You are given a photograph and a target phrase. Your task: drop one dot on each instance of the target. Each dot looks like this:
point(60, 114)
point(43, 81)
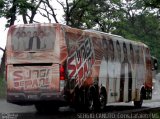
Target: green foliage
point(131, 19)
point(152, 3)
point(24, 5)
point(1, 7)
point(12, 8)
point(2, 86)
point(144, 28)
point(1, 4)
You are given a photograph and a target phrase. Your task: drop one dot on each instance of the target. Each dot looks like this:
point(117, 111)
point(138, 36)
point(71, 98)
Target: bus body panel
point(33, 68)
point(87, 58)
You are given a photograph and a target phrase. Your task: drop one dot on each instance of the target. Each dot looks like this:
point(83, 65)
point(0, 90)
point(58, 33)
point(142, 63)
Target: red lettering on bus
point(28, 83)
point(71, 67)
point(18, 75)
point(80, 74)
point(85, 69)
point(16, 84)
point(34, 84)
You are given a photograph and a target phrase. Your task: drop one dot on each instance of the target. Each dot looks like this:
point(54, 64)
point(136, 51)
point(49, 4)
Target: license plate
point(32, 96)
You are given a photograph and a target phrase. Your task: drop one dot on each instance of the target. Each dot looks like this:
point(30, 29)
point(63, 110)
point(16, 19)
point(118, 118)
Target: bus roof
point(68, 28)
point(91, 30)
point(116, 36)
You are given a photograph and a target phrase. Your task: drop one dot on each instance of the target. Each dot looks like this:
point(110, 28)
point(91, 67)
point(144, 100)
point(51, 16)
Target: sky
point(3, 35)
point(3, 21)
point(3, 32)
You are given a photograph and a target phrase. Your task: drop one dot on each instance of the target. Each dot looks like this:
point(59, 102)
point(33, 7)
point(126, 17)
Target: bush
point(2, 87)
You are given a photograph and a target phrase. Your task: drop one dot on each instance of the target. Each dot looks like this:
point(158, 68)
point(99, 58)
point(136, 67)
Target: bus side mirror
point(155, 65)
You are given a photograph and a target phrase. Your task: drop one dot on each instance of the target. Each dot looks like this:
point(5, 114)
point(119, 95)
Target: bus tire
point(138, 104)
point(39, 108)
point(92, 100)
point(103, 98)
point(78, 100)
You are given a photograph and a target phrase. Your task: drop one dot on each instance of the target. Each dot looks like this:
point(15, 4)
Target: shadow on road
point(69, 113)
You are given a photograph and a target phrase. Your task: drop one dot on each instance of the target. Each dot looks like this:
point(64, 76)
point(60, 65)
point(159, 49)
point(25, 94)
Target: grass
point(2, 87)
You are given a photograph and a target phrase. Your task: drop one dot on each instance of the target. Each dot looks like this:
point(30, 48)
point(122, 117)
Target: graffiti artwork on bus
point(31, 78)
point(81, 61)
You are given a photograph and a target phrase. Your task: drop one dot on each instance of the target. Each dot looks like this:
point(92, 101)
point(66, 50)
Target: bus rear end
point(34, 71)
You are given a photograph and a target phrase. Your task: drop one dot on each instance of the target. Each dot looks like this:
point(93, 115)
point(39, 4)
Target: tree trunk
point(13, 12)
point(2, 65)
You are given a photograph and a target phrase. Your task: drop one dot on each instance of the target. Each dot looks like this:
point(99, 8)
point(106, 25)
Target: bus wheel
point(138, 104)
point(78, 100)
point(92, 101)
point(102, 99)
point(39, 108)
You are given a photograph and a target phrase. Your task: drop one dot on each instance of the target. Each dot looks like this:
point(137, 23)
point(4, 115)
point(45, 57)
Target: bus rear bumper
point(29, 99)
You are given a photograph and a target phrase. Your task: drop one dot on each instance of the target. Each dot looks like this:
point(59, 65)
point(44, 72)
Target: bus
point(51, 65)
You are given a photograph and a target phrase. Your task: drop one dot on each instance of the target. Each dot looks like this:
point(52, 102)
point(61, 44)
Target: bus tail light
point(62, 72)
point(62, 77)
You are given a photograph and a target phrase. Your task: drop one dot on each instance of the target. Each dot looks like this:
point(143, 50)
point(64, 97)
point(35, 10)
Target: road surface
point(11, 111)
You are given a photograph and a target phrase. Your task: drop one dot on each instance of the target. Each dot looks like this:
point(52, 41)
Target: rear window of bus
point(33, 40)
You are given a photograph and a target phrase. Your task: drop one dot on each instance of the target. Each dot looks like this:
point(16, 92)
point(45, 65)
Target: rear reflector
point(62, 85)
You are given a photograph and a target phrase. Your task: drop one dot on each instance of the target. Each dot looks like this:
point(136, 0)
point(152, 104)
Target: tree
point(90, 14)
point(1, 7)
point(2, 64)
point(128, 18)
point(152, 3)
point(13, 8)
point(142, 25)
point(50, 12)
point(75, 11)
point(1, 49)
